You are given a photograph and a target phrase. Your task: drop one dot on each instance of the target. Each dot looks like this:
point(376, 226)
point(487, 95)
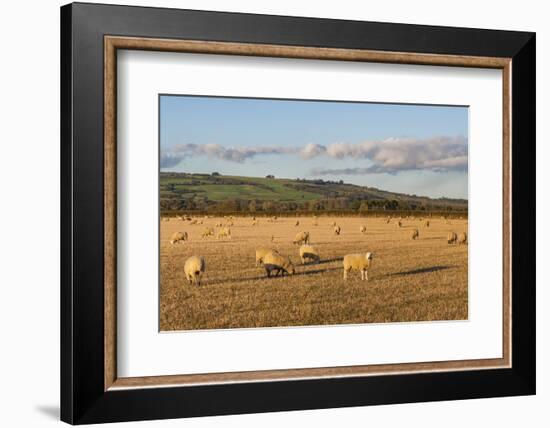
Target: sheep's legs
point(345, 274)
point(362, 275)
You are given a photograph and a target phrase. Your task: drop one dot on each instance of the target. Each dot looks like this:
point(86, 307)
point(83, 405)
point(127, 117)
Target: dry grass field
point(409, 280)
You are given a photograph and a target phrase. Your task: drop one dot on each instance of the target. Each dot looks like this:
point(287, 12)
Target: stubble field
point(409, 280)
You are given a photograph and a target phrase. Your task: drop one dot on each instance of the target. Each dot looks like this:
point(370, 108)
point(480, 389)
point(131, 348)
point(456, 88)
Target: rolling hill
point(214, 192)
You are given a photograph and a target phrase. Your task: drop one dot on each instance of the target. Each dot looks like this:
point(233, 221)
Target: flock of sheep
point(276, 264)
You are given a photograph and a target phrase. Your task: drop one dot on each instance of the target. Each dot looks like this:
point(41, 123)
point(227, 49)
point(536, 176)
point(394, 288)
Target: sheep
point(274, 261)
point(260, 254)
point(462, 238)
point(399, 224)
point(414, 234)
point(194, 267)
point(208, 231)
point(363, 229)
point(178, 237)
point(427, 223)
point(360, 262)
point(307, 252)
point(451, 238)
point(254, 222)
point(301, 238)
point(388, 220)
point(297, 223)
point(179, 217)
point(337, 230)
point(224, 233)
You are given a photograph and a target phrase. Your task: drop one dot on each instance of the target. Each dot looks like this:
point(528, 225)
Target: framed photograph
point(266, 213)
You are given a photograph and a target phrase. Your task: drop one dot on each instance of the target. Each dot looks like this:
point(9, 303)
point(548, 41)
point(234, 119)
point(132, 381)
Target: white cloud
point(392, 155)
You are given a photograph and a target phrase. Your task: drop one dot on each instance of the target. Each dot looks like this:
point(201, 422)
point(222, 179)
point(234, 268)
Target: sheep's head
point(369, 256)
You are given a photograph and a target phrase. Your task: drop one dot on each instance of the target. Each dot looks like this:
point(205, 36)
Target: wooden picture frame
point(91, 390)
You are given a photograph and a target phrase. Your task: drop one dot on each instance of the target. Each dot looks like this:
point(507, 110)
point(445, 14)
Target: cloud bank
point(389, 156)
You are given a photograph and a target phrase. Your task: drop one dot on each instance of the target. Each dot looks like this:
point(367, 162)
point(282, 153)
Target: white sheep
point(307, 252)
point(208, 231)
point(260, 254)
point(451, 238)
point(274, 261)
point(178, 237)
point(414, 234)
point(224, 233)
point(363, 229)
point(194, 267)
point(360, 262)
point(301, 238)
point(462, 238)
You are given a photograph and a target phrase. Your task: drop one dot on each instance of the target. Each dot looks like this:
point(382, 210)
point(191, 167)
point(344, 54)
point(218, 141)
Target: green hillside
point(211, 192)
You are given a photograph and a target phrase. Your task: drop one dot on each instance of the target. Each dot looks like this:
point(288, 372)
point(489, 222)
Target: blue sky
point(411, 149)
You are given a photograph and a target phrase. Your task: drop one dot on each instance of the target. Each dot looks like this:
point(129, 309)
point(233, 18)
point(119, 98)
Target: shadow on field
point(322, 262)
point(264, 276)
point(421, 270)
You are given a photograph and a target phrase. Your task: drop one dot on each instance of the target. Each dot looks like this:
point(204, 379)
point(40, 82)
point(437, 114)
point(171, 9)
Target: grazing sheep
point(194, 267)
point(274, 261)
point(451, 238)
point(301, 238)
point(260, 254)
point(363, 229)
point(337, 230)
point(427, 223)
point(178, 237)
point(297, 223)
point(307, 252)
point(414, 234)
point(208, 231)
point(462, 238)
point(224, 233)
point(360, 262)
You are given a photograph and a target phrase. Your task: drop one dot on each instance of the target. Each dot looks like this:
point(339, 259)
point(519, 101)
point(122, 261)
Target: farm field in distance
point(409, 280)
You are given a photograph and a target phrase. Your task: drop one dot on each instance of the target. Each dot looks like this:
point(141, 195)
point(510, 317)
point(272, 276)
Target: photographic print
point(283, 212)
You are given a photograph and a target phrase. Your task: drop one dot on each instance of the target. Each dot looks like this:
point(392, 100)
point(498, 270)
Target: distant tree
point(215, 174)
point(270, 176)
